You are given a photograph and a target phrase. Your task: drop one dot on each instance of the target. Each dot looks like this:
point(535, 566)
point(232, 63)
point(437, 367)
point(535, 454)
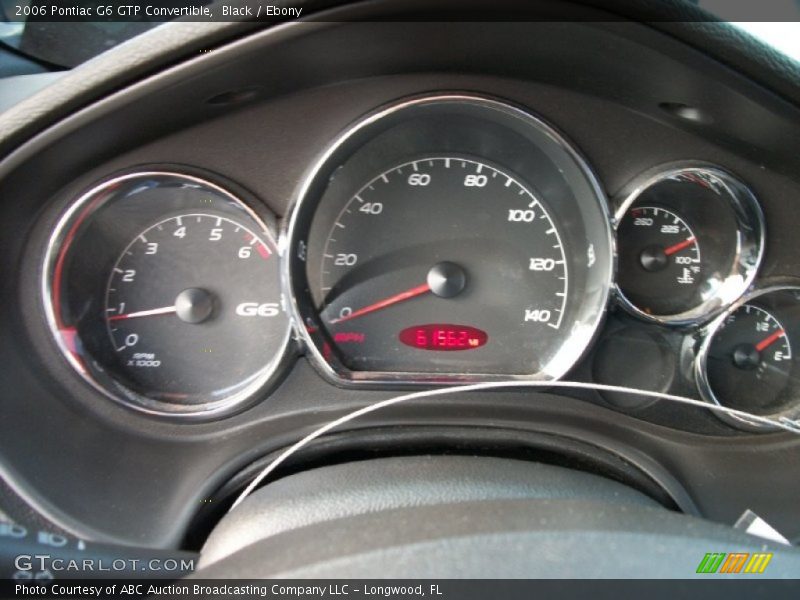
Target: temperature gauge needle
point(768, 341)
point(145, 313)
point(407, 295)
point(679, 246)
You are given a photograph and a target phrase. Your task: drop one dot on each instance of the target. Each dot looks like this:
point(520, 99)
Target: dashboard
point(447, 238)
point(193, 288)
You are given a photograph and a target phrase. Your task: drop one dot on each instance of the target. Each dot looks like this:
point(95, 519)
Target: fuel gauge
point(746, 361)
point(750, 359)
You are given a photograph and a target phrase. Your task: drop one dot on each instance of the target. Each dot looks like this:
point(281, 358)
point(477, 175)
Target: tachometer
point(450, 239)
point(163, 291)
point(182, 301)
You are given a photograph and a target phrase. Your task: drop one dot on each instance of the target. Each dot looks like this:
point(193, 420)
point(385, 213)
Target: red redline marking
point(768, 341)
point(679, 246)
point(263, 251)
point(407, 295)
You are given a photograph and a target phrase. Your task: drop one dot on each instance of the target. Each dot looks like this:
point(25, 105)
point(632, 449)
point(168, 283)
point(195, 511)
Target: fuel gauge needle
point(166, 310)
point(407, 295)
point(771, 339)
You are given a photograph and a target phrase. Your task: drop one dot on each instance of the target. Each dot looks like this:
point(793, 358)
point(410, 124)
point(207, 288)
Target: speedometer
point(502, 269)
point(448, 239)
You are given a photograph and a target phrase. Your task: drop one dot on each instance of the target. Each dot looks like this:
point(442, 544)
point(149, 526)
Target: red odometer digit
point(443, 337)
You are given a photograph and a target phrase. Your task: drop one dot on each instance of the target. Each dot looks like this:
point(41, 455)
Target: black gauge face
point(690, 240)
point(748, 358)
point(163, 291)
point(750, 361)
point(660, 258)
point(190, 304)
point(437, 246)
point(452, 239)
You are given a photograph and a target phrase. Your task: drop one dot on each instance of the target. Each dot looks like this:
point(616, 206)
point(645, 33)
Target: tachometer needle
point(407, 295)
point(679, 246)
point(144, 313)
point(771, 339)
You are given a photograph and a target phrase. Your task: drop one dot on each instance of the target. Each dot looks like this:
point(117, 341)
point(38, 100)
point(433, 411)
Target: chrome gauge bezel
point(574, 345)
point(82, 209)
point(750, 241)
point(706, 337)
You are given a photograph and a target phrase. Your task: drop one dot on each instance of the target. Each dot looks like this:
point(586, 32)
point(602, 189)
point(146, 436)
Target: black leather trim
point(455, 517)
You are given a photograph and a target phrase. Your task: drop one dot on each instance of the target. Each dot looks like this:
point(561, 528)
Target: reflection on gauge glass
point(451, 239)
point(747, 360)
point(690, 240)
point(163, 291)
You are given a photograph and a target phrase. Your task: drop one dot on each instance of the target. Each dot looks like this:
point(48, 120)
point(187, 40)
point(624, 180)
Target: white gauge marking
point(253, 239)
point(523, 191)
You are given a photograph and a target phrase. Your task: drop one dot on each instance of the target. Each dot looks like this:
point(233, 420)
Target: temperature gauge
point(661, 260)
point(690, 240)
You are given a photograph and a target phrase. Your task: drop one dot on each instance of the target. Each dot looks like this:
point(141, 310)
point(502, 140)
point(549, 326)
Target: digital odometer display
point(443, 337)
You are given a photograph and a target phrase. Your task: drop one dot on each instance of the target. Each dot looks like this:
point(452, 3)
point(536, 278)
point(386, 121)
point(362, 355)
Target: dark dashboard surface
point(259, 113)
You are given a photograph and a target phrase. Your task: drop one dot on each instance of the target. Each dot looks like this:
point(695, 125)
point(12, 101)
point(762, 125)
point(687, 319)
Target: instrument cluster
point(443, 239)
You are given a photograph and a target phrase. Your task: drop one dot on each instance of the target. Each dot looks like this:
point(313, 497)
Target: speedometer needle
point(145, 313)
point(407, 295)
point(679, 246)
point(768, 341)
